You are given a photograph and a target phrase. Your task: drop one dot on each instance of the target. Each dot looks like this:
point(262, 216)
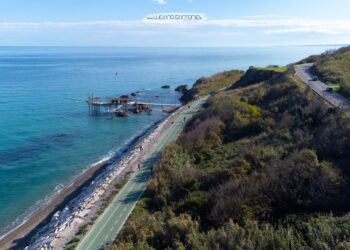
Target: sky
point(224, 23)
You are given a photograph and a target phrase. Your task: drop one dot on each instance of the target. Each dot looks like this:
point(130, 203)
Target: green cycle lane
point(111, 221)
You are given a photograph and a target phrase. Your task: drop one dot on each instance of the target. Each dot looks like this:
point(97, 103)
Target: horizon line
point(235, 46)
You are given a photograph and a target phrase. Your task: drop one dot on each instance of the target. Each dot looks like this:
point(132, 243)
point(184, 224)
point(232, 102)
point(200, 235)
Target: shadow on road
point(142, 176)
point(146, 171)
point(132, 197)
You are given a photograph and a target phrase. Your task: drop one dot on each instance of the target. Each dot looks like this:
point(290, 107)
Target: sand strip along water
point(64, 226)
point(21, 236)
point(86, 189)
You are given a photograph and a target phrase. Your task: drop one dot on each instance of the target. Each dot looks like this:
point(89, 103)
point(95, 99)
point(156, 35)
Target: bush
point(206, 85)
point(253, 170)
point(333, 68)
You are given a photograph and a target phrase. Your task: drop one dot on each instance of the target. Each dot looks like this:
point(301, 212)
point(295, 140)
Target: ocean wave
point(112, 158)
point(35, 146)
point(64, 217)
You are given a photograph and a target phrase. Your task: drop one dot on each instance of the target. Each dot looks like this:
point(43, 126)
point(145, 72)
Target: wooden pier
point(118, 106)
point(121, 106)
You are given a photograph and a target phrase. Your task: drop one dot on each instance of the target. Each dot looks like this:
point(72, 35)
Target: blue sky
point(121, 23)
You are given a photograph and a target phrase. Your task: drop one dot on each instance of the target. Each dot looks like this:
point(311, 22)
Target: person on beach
point(139, 166)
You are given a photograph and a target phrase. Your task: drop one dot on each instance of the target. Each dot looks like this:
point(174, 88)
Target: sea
point(47, 135)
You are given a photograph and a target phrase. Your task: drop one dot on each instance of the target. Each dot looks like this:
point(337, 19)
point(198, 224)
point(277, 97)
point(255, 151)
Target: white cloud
point(161, 2)
point(264, 25)
point(304, 30)
point(261, 16)
point(38, 25)
point(280, 26)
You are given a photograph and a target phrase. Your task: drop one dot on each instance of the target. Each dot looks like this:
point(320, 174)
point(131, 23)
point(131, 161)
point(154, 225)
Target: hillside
point(263, 166)
point(256, 75)
point(333, 68)
point(206, 85)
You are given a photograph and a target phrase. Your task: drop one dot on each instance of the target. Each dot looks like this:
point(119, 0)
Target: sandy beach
point(55, 224)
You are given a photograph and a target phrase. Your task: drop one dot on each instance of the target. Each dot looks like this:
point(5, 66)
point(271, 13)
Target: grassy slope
point(206, 85)
point(334, 69)
point(261, 167)
point(276, 69)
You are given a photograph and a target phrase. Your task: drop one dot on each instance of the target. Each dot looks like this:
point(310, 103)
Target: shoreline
point(22, 234)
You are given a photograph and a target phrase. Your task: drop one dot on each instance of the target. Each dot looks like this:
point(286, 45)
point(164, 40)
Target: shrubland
point(264, 165)
point(333, 67)
point(207, 85)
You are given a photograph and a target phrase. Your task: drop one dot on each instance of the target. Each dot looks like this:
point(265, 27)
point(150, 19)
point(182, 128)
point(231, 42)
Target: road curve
point(111, 221)
point(335, 99)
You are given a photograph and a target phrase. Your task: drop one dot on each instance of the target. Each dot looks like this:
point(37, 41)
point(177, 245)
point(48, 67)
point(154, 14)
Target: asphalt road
point(111, 221)
point(335, 99)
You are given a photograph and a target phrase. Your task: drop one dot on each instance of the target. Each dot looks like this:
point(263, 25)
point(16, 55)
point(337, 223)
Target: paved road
point(114, 217)
point(335, 99)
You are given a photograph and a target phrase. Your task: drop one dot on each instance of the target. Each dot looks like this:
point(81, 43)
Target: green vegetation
point(263, 166)
point(335, 87)
point(333, 67)
point(276, 69)
point(256, 75)
point(206, 85)
point(73, 243)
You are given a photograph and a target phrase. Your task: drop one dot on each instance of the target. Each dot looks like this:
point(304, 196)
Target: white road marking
point(104, 224)
point(171, 133)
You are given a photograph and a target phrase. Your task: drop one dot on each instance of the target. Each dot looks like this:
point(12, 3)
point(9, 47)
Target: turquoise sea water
point(46, 134)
